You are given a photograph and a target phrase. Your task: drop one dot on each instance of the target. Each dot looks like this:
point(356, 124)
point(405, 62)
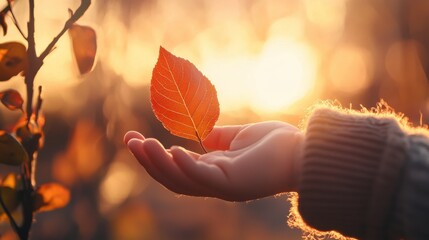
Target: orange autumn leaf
point(84, 42)
point(13, 59)
point(50, 196)
point(182, 98)
point(11, 99)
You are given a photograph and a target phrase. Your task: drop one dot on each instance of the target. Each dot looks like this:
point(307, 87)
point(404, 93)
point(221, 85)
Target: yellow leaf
point(13, 59)
point(84, 42)
point(9, 181)
point(11, 198)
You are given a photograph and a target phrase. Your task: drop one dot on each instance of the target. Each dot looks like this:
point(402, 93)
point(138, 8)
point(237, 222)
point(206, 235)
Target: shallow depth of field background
point(269, 60)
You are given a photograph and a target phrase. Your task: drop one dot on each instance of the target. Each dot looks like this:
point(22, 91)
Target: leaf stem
point(201, 142)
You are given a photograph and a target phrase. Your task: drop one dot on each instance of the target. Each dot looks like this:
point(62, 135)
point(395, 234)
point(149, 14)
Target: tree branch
point(37, 61)
point(34, 65)
point(15, 21)
point(12, 221)
point(38, 104)
point(84, 5)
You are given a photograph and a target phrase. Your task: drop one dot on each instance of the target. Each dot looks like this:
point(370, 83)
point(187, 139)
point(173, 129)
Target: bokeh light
point(350, 69)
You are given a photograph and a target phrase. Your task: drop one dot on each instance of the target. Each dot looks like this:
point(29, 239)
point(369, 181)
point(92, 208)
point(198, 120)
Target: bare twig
point(12, 221)
point(34, 63)
point(37, 62)
point(31, 147)
point(15, 21)
point(84, 5)
point(33, 67)
point(38, 104)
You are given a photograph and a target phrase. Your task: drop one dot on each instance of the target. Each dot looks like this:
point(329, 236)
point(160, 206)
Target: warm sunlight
point(286, 71)
point(101, 101)
point(256, 59)
point(354, 64)
point(60, 69)
point(264, 64)
point(282, 73)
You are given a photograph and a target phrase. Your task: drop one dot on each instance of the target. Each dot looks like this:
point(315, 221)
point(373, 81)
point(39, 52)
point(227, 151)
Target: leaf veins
point(182, 98)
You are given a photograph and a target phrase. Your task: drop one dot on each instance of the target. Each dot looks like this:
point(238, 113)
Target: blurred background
point(268, 59)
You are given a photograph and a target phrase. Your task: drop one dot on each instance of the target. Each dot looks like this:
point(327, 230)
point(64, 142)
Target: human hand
point(249, 161)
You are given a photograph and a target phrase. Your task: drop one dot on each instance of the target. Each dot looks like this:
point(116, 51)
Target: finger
point(221, 136)
point(132, 134)
point(136, 147)
point(209, 175)
point(173, 177)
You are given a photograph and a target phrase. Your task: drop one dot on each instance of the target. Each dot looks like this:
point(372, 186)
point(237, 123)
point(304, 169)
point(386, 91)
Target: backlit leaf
point(11, 99)
point(11, 180)
point(50, 196)
point(84, 42)
point(13, 59)
point(183, 99)
point(11, 151)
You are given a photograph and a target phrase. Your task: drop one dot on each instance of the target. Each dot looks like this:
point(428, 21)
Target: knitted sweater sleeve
point(352, 170)
point(412, 210)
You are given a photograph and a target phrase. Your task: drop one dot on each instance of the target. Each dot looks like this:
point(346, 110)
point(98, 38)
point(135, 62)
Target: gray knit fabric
point(352, 170)
point(413, 207)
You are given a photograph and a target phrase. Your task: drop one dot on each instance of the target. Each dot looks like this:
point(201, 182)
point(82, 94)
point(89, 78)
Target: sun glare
point(263, 64)
point(285, 72)
point(282, 73)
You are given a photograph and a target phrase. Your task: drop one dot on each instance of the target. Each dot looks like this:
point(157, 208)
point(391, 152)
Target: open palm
point(248, 162)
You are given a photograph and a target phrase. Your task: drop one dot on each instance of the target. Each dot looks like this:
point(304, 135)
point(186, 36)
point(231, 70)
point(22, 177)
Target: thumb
point(221, 136)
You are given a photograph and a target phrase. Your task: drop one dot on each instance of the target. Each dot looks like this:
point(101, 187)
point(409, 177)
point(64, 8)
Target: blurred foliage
point(20, 196)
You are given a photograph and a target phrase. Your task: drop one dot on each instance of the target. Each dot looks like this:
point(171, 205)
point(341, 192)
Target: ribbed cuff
point(350, 169)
